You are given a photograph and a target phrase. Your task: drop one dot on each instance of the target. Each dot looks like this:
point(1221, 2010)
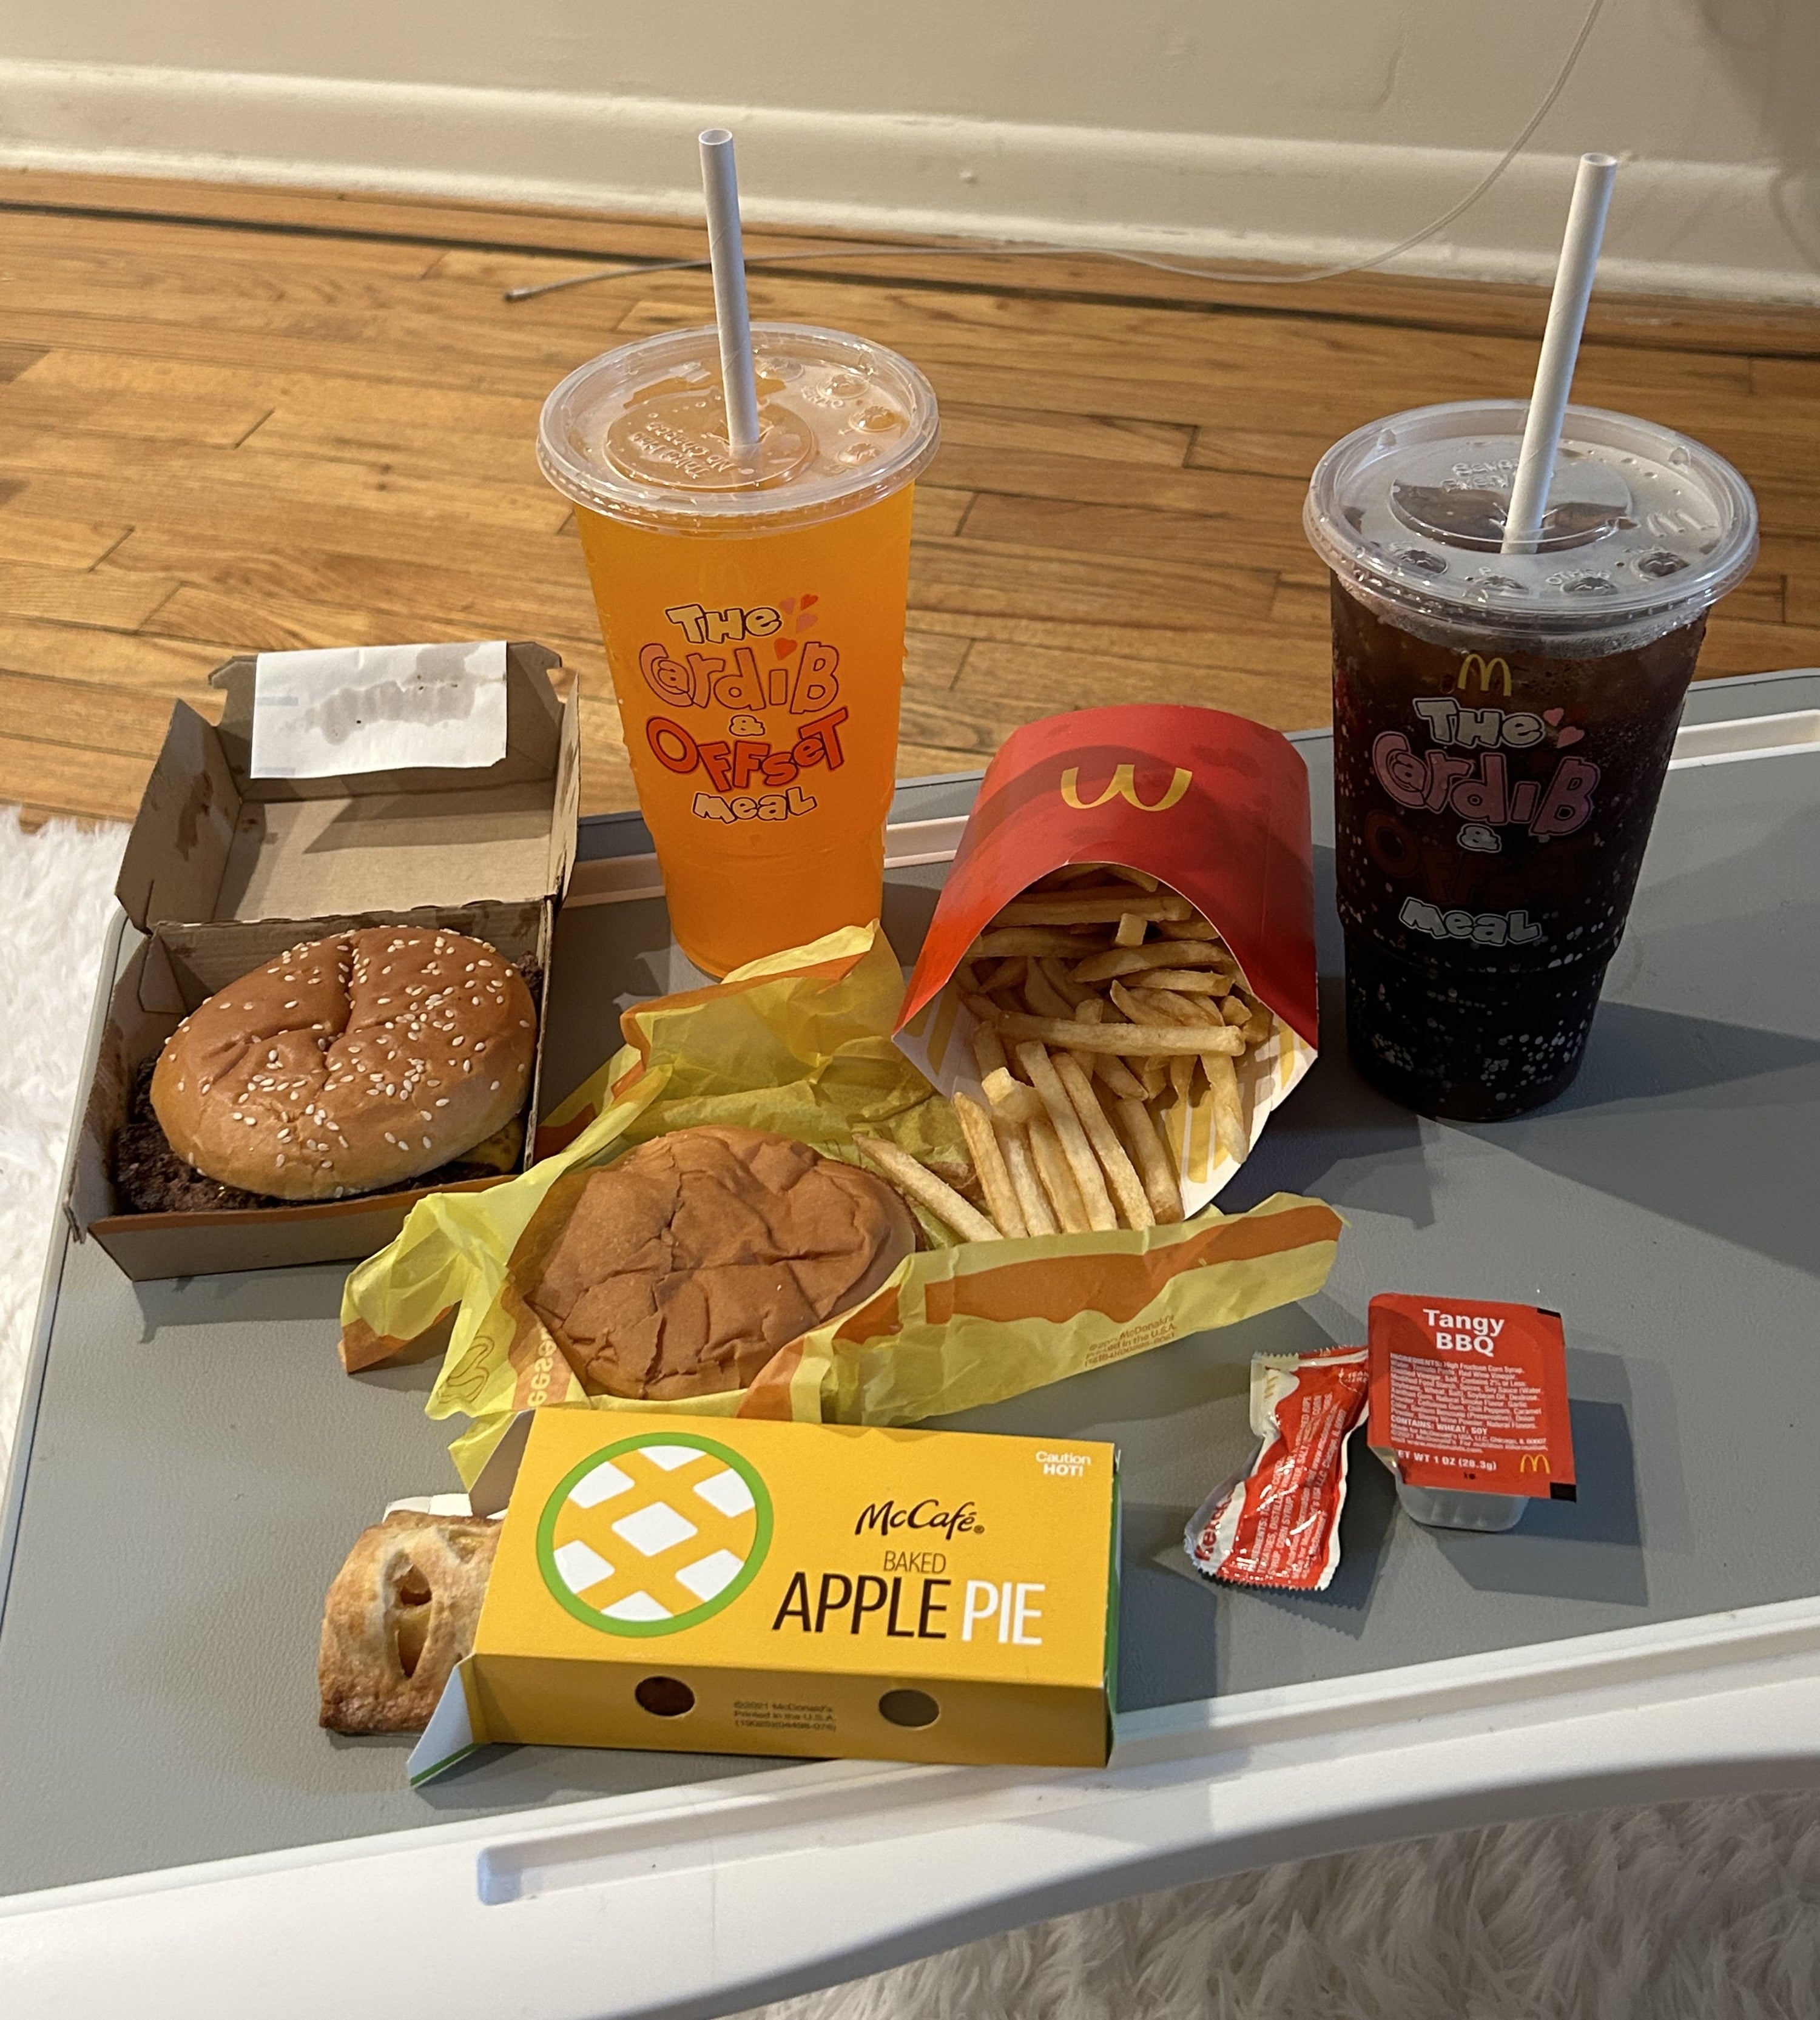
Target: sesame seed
point(495, 1087)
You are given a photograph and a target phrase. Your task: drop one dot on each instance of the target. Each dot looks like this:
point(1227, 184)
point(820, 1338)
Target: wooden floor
point(234, 419)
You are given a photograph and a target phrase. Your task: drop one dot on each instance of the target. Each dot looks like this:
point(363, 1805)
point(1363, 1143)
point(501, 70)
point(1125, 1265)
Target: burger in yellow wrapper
point(799, 1046)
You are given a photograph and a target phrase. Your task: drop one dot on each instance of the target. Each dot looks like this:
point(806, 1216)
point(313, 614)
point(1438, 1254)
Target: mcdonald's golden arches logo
point(1125, 786)
point(1488, 669)
point(1536, 1461)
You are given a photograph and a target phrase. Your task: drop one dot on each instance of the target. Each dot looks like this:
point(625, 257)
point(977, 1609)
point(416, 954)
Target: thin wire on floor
point(997, 249)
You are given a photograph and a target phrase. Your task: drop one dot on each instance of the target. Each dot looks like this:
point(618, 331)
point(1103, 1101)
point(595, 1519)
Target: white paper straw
point(727, 252)
point(1560, 348)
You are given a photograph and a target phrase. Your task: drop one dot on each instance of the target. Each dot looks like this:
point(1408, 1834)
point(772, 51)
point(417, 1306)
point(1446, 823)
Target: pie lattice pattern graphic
point(654, 1534)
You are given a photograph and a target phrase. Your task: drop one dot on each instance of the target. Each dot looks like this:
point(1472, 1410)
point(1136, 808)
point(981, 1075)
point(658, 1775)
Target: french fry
point(1106, 907)
point(1043, 998)
point(1111, 1068)
point(1125, 1039)
point(1121, 1177)
point(1182, 1080)
point(1035, 1060)
point(1258, 1026)
point(1142, 878)
point(989, 1052)
point(1188, 981)
point(965, 975)
point(1153, 954)
point(1194, 929)
point(1061, 978)
point(1229, 1114)
point(1235, 1010)
point(1070, 873)
point(927, 1190)
point(1013, 1101)
point(1039, 1216)
point(1006, 974)
point(1153, 1161)
point(1004, 1000)
point(1131, 929)
point(1047, 997)
point(996, 942)
point(1178, 1009)
point(1002, 1200)
point(1154, 1074)
point(1143, 1006)
point(1057, 1178)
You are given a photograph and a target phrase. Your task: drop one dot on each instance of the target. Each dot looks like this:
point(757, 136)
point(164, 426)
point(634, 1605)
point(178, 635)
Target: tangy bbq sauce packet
point(1216, 808)
point(1279, 1524)
point(1470, 1398)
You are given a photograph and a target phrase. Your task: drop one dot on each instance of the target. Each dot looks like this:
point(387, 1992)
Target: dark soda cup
point(1502, 725)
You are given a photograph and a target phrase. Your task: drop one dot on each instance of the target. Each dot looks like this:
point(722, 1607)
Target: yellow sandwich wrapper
point(801, 1043)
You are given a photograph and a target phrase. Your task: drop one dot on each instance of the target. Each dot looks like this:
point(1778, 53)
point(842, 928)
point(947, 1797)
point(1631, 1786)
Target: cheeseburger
point(348, 1065)
point(680, 1269)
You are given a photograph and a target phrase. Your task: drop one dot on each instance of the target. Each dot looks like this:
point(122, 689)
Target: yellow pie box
point(721, 1586)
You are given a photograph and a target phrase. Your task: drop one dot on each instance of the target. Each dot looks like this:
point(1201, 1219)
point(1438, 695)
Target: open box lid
point(211, 841)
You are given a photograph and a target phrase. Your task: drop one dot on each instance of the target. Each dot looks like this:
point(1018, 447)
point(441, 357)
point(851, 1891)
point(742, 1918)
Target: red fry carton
point(1471, 1395)
point(1214, 806)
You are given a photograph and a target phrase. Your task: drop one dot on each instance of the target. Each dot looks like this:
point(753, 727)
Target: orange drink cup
point(753, 615)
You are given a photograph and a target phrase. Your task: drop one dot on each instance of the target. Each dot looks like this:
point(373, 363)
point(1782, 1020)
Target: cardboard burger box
point(224, 870)
point(726, 1586)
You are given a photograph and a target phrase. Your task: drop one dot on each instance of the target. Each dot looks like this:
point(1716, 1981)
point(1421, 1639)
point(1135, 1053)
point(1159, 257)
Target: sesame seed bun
point(349, 1064)
point(682, 1267)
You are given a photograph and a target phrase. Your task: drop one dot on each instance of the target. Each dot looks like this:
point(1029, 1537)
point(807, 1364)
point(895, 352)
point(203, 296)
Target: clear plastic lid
point(641, 432)
point(1644, 528)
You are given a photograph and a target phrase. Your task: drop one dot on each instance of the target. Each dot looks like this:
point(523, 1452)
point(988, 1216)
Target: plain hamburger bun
point(679, 1269)
point(349, 1064)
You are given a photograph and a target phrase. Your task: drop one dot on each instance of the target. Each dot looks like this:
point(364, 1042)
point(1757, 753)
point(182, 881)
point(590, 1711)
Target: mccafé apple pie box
point(1209, 807)
point(715, 1584)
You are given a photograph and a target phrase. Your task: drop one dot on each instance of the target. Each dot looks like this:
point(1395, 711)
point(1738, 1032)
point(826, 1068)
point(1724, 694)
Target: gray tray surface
point(199, 1463)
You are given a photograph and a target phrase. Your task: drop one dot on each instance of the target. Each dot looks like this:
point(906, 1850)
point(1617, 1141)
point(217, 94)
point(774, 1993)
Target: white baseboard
point(1740, 230)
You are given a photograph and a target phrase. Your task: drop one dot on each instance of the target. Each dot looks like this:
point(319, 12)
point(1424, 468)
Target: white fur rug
point(1705, 1911)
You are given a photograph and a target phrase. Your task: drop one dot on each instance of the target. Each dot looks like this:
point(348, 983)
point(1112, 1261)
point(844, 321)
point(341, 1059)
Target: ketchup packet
point(1213, 805)
point(1471, 1396)
point(1280, 1523)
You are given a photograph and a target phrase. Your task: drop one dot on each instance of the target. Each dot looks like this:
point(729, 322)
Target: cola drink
point(1502, 725)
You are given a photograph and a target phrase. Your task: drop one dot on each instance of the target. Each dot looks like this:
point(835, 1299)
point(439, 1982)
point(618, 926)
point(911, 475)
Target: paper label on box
point(379, 708)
